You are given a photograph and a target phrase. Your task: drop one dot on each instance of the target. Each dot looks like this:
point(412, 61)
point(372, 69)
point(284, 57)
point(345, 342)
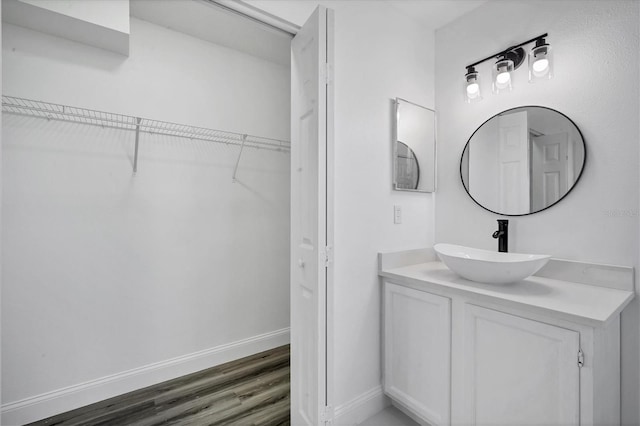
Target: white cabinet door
point(417, 342)
point(519, 371)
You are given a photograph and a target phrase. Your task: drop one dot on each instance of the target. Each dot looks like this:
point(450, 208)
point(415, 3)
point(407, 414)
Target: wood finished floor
point(250, 391)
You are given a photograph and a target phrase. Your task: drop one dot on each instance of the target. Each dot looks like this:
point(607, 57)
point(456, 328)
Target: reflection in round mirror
point(522, 160)
point(407, 168)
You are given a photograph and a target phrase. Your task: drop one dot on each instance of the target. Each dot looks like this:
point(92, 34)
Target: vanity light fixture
point(472, 86)
point(540, 61)
point(507, 61)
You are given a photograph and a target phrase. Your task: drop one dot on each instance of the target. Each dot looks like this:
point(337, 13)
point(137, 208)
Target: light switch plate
point(397, 214)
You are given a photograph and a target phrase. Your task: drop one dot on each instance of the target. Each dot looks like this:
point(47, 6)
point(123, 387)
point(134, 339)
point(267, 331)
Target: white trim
point(61, 400)
point(408, 412)
point(361, 407)
point(257, 14)
point(330, 212)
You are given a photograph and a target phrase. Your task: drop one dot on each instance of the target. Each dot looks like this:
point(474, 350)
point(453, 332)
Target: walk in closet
point(145, 203)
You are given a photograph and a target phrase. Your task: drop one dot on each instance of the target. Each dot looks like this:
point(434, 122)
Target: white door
point(549, 169)
point(513, 163)
point(417, 349)
point(519, 371)
point(311, 230)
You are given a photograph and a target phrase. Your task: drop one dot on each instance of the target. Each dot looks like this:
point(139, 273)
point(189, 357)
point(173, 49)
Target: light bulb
point(473, 90)
point(503, 78)
point(540, 62)
point(471, 86)
point(541, 65)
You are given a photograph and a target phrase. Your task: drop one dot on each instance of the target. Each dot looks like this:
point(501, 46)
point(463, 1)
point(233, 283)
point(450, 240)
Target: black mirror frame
point(584, 162)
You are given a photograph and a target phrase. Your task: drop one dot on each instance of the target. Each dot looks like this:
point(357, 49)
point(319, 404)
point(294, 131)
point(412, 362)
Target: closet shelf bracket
point(235, 170)
point(135, 153)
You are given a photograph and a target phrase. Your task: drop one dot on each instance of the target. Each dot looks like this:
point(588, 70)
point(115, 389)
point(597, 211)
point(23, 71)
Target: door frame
point(329, 213)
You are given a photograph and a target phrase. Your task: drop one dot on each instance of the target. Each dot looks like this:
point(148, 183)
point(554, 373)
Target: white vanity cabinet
point(417, 336)
point(539, 352)
point(516, 369)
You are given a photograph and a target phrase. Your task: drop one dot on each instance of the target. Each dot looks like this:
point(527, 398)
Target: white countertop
point(582, 303)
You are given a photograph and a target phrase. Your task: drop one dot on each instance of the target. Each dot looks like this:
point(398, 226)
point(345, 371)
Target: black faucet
point(502, 234)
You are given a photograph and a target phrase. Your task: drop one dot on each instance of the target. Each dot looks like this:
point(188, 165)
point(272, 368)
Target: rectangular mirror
point(414, 148)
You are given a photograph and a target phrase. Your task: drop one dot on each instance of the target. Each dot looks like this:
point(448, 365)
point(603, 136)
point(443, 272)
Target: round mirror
point(407, 168)
point(522, 160)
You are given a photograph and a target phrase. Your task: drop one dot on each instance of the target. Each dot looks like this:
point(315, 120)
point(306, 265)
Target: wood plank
point(218, 380)
point(272, 415)
point(224, 393)
point(194, 405)
point(219, 415)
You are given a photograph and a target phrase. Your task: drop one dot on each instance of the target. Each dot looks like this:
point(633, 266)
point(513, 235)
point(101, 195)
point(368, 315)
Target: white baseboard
point(405, 410)
point(361, 407)
point(58, 401)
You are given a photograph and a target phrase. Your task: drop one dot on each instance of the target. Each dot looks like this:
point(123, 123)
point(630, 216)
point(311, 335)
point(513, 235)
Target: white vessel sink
point(489, 267)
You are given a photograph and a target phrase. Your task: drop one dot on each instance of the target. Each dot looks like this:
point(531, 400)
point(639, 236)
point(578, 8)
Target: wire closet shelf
point(51, 111)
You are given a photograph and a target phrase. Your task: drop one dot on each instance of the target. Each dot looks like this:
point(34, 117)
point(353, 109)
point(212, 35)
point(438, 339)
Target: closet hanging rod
point(51, 111)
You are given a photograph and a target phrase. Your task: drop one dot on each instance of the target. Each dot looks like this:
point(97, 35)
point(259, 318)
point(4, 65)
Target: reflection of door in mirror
point(549, 169)
point(513, 162)
point(483, 165)
point(506, 182)
point(407, 168)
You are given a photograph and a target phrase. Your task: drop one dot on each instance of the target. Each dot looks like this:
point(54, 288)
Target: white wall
point(596, 84)
point(106, 271)
point(380, 54)
point(112, 14)
point(99, 23)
